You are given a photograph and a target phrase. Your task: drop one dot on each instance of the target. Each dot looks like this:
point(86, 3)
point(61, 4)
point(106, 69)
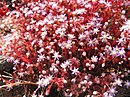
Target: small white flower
point(16, 61)
point(90, 42)
point(62, 18)
point(98, 24)
point(94, 19)
point(62, 34)
point(80, 1)
point(59, 30)
point(102, 1)
point(71, 36)
point(79, 11)
point(126, 26)
point(65, 64)
point(25, 10)
point(82, 36)
point(114, 52)
point(67, 44)
point(44, 81)
point(41, 50)
point(91, 23)
point(94, 58)
point(95, 31)
point(108, 4)
point(87, 33)
point(40, 57)
point(9, 87)
point(56, 56)
point(88, 5)
point(127, 84)
point(106, 94)
point(84, 53)
point(51, 51)
point(21, 74)
point(121, 52)
point(118, 82)
point(105, 36)
point(112, 91)
point(87, 64)
point(92, 66)
point(75, 71)
point(121, 40)
point(114, 75)
point(123, 11)
point(35, 8)
point(96, 42)
point(73, 80)
point(95, 92)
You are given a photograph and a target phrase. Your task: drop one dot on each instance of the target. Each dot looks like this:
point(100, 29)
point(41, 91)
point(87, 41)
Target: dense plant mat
point(65, 48)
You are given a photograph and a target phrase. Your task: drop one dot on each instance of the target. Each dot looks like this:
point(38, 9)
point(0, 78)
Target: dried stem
point(18, 83)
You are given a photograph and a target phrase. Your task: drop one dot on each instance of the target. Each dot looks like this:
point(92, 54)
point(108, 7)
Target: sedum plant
point(79, 47)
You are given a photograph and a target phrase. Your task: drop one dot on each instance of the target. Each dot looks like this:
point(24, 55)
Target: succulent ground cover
point(76, 48)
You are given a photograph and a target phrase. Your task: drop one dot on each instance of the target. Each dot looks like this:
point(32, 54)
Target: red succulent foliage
point(73, 45)
point(3, 9)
